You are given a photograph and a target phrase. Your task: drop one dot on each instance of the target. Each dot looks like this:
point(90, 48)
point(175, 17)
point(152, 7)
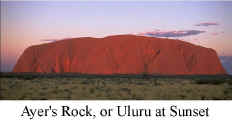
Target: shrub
point(210, 81)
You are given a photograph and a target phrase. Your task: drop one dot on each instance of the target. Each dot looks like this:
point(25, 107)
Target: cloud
point(49, 40)
point(206, 24)
point(176, 33)
point(216, 33)
point(54, 40)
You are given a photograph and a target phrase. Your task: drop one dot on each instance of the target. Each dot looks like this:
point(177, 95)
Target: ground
point(125, 87)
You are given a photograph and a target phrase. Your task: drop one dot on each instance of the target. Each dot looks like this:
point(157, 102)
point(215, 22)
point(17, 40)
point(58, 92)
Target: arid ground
point(99, 87)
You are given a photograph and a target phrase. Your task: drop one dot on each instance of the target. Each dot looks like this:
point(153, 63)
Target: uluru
point(120, 54)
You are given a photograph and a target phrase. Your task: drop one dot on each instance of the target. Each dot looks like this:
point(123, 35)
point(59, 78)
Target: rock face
point(121, 54)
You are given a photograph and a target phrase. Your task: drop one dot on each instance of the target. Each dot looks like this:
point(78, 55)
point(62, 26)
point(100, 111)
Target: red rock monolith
point(120, 54)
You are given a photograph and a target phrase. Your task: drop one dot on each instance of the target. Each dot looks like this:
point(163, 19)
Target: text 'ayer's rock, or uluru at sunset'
point(120, 54)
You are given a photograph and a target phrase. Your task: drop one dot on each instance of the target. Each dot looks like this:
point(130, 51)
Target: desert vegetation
point(31, 86)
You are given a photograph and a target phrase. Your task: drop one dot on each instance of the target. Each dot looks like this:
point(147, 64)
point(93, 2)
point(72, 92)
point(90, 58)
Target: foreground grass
point(81, 88)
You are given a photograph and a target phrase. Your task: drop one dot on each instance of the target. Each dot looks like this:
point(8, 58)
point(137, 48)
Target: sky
point(29, 23)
